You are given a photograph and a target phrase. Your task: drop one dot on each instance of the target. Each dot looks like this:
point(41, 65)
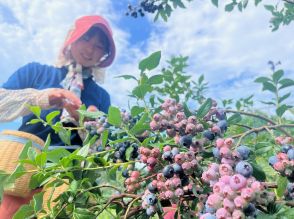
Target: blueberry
point(272, 160)
point(209, 216)
point(168, 172)
point(178, 169)
point(220, 114)
point(186, 140)
point(151, 199)
point(184, 180)
point(286, 148)
point(100, 148)
point(290, 187)
point(208, 209)
point(244, 152)
point(125, 173)
point(223, 125)
point(167, 155)
point(175, 151)
point(122, 150)
point(290, 154)
point(250, 210)
point(244, 168)
point(216, 153)
point(209, 135)
point(151, 188)
point(150, 211)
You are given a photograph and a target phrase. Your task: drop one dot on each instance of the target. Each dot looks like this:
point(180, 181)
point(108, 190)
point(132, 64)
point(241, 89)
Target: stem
point(260, 117)
point(259, 129)
point(130, 205)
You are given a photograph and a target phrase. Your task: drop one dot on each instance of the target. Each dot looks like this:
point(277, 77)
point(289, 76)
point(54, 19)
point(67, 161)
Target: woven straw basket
point(11, 145)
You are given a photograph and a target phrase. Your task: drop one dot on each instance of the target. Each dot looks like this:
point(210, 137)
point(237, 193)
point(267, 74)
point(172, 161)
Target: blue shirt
point(35, 75)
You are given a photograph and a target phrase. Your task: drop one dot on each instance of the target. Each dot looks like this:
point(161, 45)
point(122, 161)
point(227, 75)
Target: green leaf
point(32, 154)
point(104, 137)
point(51, 116)
point(150, 62)
point(127, 77)
point(258, 172)
point(141, 90)
point(112, 173)
point(155, 79)
point(262, 80)
point(47, 143)
point(33, 121)
point(284, 97)
point(65, 135)
point(180, 3)
point(234, 119)
point(114, 116)
point(269, 86)
point(56, 154)
point(278, 75)
point(215, 2)
point(84, 150)
point(187, 110)
point(229, 7)
point(38, 201)
point(257, 2)
point(270, 8)
point(282, 184)
point(82, 213)
point(286, 83)
point(141, 125)
point(204, 108)
point(25, 211)
point(129, 152)
point(91, 115)
point(245, 3)
point(36, 110)
point(41, 159)
point(268, 103)
point(281, 110)
point(240, 6)
point(24, 153)
point(136, 110)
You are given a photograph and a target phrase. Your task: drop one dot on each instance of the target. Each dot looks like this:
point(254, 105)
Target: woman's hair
point(65, 57)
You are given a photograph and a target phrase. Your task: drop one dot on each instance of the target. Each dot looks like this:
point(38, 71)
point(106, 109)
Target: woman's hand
point(66, 99)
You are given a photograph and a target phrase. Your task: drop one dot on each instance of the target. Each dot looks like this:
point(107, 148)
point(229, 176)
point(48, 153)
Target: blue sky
point(230, 49)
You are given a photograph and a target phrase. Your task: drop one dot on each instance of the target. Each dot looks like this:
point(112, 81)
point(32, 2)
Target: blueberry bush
point(282, 11)
point(173, 151)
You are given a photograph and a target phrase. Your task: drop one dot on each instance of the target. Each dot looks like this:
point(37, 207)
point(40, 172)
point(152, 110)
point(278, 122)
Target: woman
point(88, 48)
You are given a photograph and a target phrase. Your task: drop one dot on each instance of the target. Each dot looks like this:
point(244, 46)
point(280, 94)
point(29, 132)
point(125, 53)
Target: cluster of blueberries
point(148, 6)
point(172, 180)
point(235, 192)
point(283, 162)
point(120, 151)
point(96, 126)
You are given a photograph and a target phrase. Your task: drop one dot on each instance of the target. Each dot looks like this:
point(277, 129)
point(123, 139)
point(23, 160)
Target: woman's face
point(88, 50)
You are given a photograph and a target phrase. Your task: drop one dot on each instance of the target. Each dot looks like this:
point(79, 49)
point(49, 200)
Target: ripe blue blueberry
point(167, 155)
point(151, 188)
point(272, 160)
point(223, 125)
point(150, 211)
point(186, 140)
point(168, 172)
point(209, 135)
point(175, 151)
point(250, 210)
point(244, 168)
point(220, 114)
point(178, 169)
point(290, 154)
point(151, 199)
point(244, 152)
point(286, 148)
point(125, 173)
point(216, 153)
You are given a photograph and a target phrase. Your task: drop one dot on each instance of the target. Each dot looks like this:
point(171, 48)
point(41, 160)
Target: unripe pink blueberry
point(143, 158)
point(282, 156)
point(225, 169)
point(177, 139)
point(167, 148)
point(155, 152)
point(161, 185)
point(135, 174)
point(247, 193)
point(215, 129)
point(218, 187)
point(214, 166)
point(176, 181)
point(160, 177)
point(151, 161)
point(180, 116)
point(179, 158)
point(225, 179)
point(190, 128)
point(238, 214)
point(228, 205)
point(256, 186)
point(240, 202)
point(156, 117)
point(179, 192)
point(229, 142)
point(225, 152)
point(227, 161)
point(199, 128)
point(154, 125)
point(171, 133)
point(228, 192)
point(150, 168)
point(189, 156)
point(214, 201)
point(237, 182)
point(279, 166)
point(222, 213)
point(219, 142)
point(169, 194)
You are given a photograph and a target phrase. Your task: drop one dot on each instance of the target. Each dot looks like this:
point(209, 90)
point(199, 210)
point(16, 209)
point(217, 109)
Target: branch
point(259, 129)
point(130, 205)
point(260, 117)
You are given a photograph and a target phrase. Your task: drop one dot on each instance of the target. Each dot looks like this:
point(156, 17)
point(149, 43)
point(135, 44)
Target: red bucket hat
point(83, 24)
